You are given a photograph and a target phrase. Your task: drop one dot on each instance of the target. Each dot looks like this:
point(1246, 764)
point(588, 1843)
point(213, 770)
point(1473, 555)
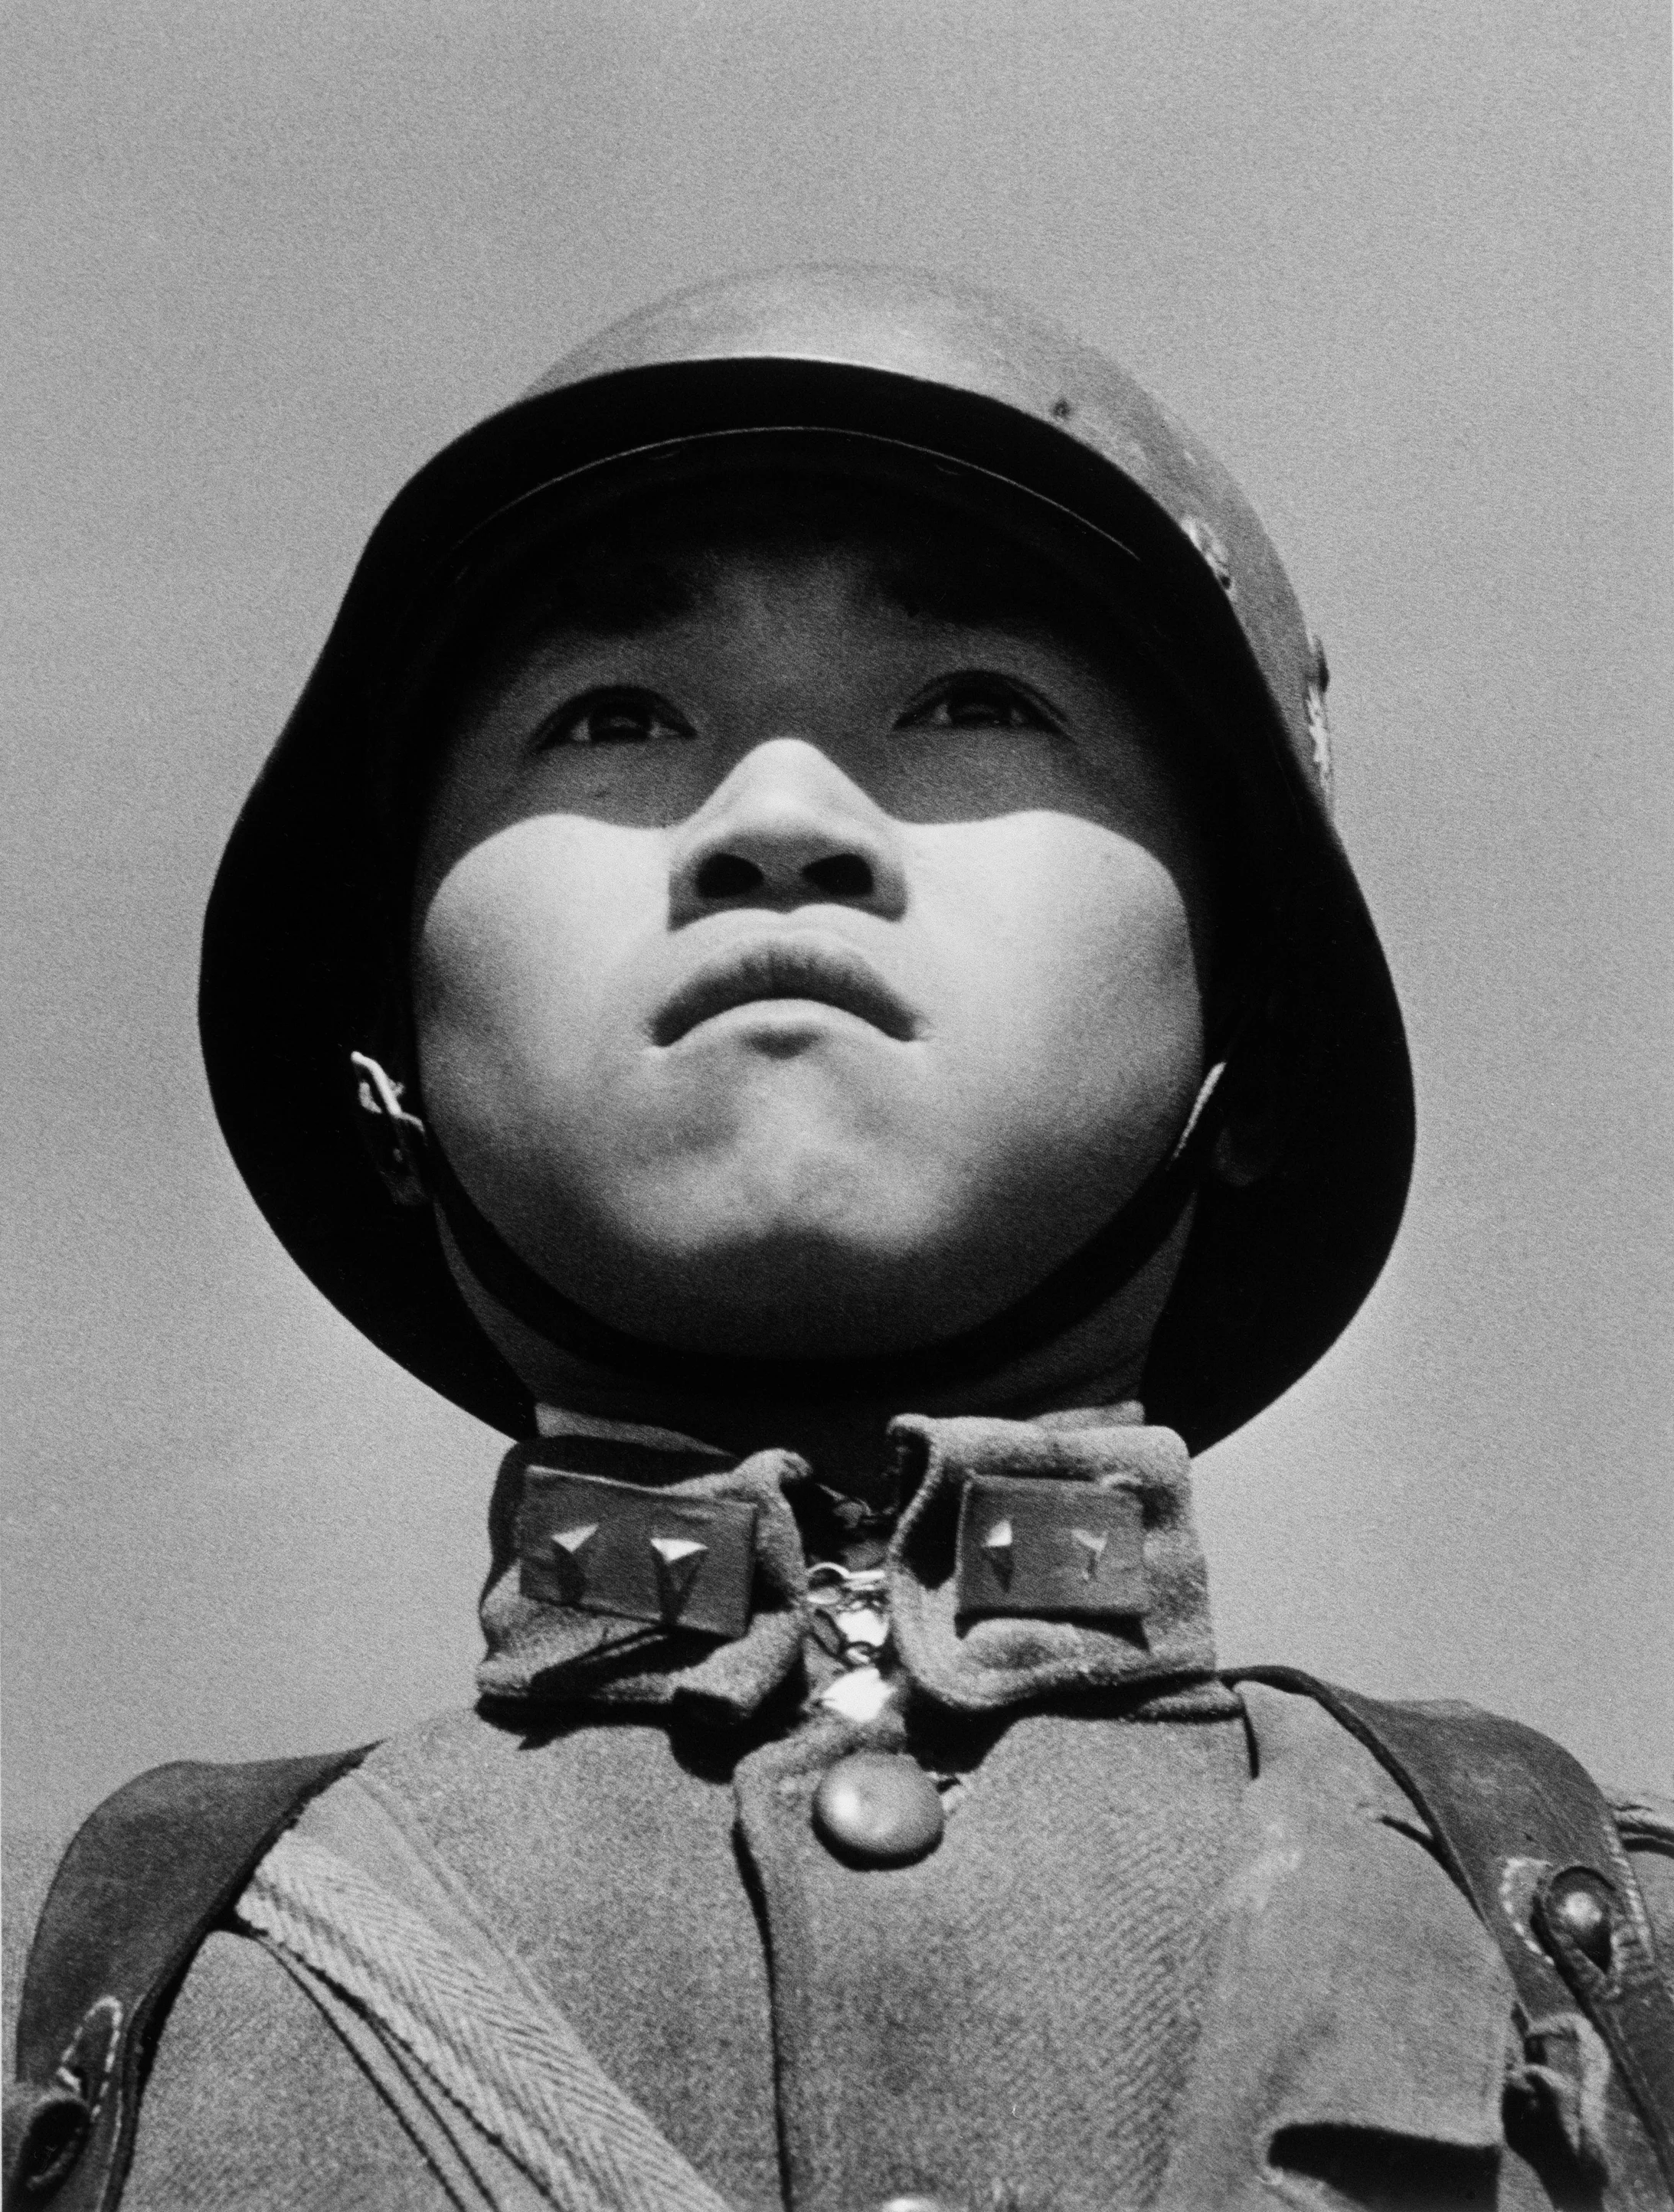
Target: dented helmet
point(296, 966)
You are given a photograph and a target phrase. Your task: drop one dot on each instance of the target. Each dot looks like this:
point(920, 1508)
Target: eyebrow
point(620, 598)
point(968, 592)
point(633, 595)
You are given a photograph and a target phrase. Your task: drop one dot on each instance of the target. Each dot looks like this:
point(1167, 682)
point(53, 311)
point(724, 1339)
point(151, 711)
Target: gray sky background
point(1405, 265)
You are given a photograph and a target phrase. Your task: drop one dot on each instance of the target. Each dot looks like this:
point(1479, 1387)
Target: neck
point(1099, 1360)
point(845, 1442)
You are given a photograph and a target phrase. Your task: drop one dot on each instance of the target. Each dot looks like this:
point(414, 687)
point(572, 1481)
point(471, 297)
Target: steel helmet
point(294, 964)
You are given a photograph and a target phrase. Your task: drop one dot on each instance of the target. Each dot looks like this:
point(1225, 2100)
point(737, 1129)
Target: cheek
point(519, 951)
point(1078, 984)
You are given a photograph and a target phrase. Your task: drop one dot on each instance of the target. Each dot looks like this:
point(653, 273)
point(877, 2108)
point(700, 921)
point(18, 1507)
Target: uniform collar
point(1128, 1483)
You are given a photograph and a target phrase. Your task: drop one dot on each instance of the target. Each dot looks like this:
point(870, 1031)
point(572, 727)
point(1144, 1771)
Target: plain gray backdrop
point(1404, 263)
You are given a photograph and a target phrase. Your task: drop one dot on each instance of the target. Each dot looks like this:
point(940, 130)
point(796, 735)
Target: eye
point(974, 701)
point(610, 718)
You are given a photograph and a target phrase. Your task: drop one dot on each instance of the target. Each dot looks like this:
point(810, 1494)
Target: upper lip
point(785, 967)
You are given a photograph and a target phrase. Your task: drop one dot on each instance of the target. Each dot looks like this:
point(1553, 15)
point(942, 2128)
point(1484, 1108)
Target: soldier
point(793, 957)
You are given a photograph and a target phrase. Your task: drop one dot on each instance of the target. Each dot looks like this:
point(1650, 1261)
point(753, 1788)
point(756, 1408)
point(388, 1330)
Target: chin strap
point(415, 1170)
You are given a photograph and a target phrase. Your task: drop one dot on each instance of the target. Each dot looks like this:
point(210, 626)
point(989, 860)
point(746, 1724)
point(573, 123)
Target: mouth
point(804, 969)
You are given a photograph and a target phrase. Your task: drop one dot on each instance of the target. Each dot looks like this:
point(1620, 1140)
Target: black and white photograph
point(839, 1134)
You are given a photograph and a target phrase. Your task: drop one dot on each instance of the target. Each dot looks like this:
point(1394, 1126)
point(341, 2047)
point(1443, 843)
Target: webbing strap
point(149, 1874)
point(517, 2066)
point(1517, 1822)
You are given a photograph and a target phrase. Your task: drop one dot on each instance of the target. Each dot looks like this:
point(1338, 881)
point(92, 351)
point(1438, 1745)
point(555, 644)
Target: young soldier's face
point(805, 959)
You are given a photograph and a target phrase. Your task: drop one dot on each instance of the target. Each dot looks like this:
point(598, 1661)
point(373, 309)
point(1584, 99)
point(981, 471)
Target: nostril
point(843, 876)
point(727, 875)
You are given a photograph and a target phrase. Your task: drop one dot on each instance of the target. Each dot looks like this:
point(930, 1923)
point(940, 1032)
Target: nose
point(787, 827)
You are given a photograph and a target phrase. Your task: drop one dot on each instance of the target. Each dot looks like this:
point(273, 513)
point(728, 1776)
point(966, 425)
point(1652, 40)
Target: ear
point(1256, 1104)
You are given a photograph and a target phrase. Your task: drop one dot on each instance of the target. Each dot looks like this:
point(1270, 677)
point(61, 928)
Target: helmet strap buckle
point(394, 1138)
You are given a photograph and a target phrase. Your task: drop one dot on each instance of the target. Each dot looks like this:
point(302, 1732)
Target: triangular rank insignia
point(1091, 1549)
point(568, 1559)
point(999, 1549)
point(678, 1558)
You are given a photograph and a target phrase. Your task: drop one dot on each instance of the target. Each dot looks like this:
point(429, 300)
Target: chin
point(889, 1270)
point(829, 1245)
point(828, 1251)
point(790, 1285)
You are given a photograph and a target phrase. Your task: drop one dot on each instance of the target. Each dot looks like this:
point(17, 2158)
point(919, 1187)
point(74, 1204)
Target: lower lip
point(781, 1021)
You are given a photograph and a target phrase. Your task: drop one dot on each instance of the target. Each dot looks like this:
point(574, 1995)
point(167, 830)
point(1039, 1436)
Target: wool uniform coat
point(1180, 1946)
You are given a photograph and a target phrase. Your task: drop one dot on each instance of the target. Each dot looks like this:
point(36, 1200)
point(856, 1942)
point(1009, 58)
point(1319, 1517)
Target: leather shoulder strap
point(1524, 1831)
point(148, 1876)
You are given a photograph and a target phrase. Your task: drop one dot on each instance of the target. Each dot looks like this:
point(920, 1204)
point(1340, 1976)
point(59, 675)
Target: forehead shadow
point(653, 562)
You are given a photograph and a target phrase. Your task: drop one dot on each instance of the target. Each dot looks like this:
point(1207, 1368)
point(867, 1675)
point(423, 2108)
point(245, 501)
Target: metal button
point(879, 1808)
point(1578, 1902)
